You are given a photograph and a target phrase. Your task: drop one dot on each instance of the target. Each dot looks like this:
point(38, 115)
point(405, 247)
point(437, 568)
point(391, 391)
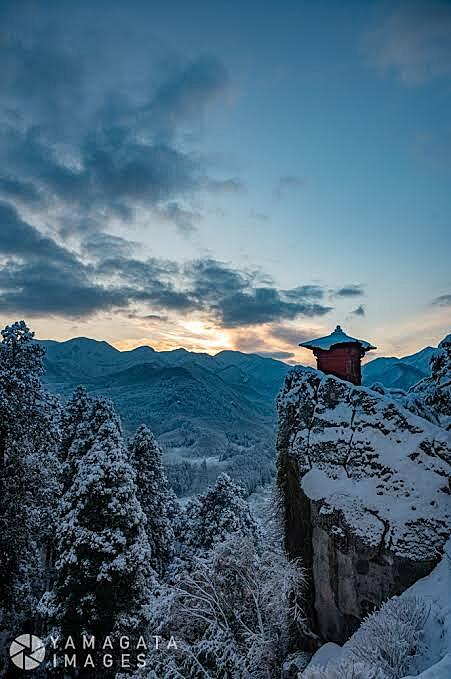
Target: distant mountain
point(214, 408)
point(210, 413)
point(398, 373)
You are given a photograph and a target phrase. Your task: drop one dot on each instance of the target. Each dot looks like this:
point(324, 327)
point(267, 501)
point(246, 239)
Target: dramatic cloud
point(358, 311)
point(350, 291)
point(442, 300)
point(413, 41)
point(81, 147)
point(264, 305)
point(39, 276)
point(237, 298)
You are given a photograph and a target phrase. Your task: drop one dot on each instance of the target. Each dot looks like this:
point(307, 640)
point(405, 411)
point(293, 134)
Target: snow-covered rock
point(434, 392)
point(366, 495)
point(381, 643)
point(328, 653)
point(433, 661)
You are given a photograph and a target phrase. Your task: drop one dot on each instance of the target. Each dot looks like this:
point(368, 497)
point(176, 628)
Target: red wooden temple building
point(339, 354)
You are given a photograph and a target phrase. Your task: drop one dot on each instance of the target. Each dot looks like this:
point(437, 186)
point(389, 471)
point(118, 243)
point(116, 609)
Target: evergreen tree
point(28, 438)
point(153, 492)
point(77, 433)
point(221, 511)
point(102, 567)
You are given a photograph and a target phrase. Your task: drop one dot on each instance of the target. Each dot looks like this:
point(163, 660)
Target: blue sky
point(227, 175)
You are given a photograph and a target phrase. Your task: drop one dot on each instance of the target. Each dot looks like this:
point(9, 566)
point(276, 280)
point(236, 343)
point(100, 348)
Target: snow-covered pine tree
point(28, 438)
point(103, 570)
point(77, 433)
point(154, 495)
point(215, 515)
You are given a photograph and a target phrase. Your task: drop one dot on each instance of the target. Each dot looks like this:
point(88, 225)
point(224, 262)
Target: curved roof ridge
point(338, 336)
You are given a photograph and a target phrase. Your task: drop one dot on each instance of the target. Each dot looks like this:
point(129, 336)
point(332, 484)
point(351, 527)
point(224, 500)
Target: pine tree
point(77, 433)
point(102, 567)
point(156, 499)
point(219, 512)
point(28, 437)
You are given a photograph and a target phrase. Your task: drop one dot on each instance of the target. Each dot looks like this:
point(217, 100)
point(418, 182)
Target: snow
point(441, 670)
point(385, 469)
point(435, 589)
point(432, 659)
point(327, 653)
point(316, 483)
point(336, 337)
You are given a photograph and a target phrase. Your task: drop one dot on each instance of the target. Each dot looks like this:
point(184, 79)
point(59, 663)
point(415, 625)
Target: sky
point(226, 175)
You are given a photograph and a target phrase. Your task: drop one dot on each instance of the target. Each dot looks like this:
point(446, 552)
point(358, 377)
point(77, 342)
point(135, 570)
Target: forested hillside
point(210, 413)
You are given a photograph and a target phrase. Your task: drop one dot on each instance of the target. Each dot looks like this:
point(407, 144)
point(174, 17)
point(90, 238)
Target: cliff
point(365, 495)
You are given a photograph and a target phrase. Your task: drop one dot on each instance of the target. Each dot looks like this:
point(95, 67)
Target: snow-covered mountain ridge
point(398, 373)
point(218, 408)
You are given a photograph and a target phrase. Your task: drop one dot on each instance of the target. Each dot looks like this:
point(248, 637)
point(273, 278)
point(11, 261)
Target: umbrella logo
point(27, 652)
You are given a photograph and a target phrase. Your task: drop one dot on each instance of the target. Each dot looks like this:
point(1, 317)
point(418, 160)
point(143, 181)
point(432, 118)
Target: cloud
point(358, 311)
point(285, 184)
point(291, 335)
point(442, 300)
point(305, 292)
point(264, 305)
point(39, 276)
point(232, 185)
point(350, 291)
point(413, 41)
point(237, 298)
point(185, 95)
point(105, 245)
point(186, 220)
point(82, 146)
point(14, 189)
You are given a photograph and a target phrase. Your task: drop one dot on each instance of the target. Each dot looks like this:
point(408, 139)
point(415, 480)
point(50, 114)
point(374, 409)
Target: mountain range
point(398, 373)
point(210, 413)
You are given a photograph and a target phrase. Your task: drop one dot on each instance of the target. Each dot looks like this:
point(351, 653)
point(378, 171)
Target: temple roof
point(336, 337)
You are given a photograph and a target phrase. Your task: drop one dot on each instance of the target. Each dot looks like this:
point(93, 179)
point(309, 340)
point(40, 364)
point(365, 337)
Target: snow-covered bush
point(345, 669)
point(231, 611)
point(391, 637)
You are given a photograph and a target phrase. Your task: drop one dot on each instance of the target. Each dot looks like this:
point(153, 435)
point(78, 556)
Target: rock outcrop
point(430, 398)
point(365, 493)
point(434, 392)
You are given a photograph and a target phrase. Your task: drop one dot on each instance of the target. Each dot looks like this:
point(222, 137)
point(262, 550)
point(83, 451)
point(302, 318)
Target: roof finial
point(338, 329)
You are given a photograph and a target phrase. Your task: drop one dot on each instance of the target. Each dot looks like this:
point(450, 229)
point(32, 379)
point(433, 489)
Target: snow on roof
point(336, 337)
